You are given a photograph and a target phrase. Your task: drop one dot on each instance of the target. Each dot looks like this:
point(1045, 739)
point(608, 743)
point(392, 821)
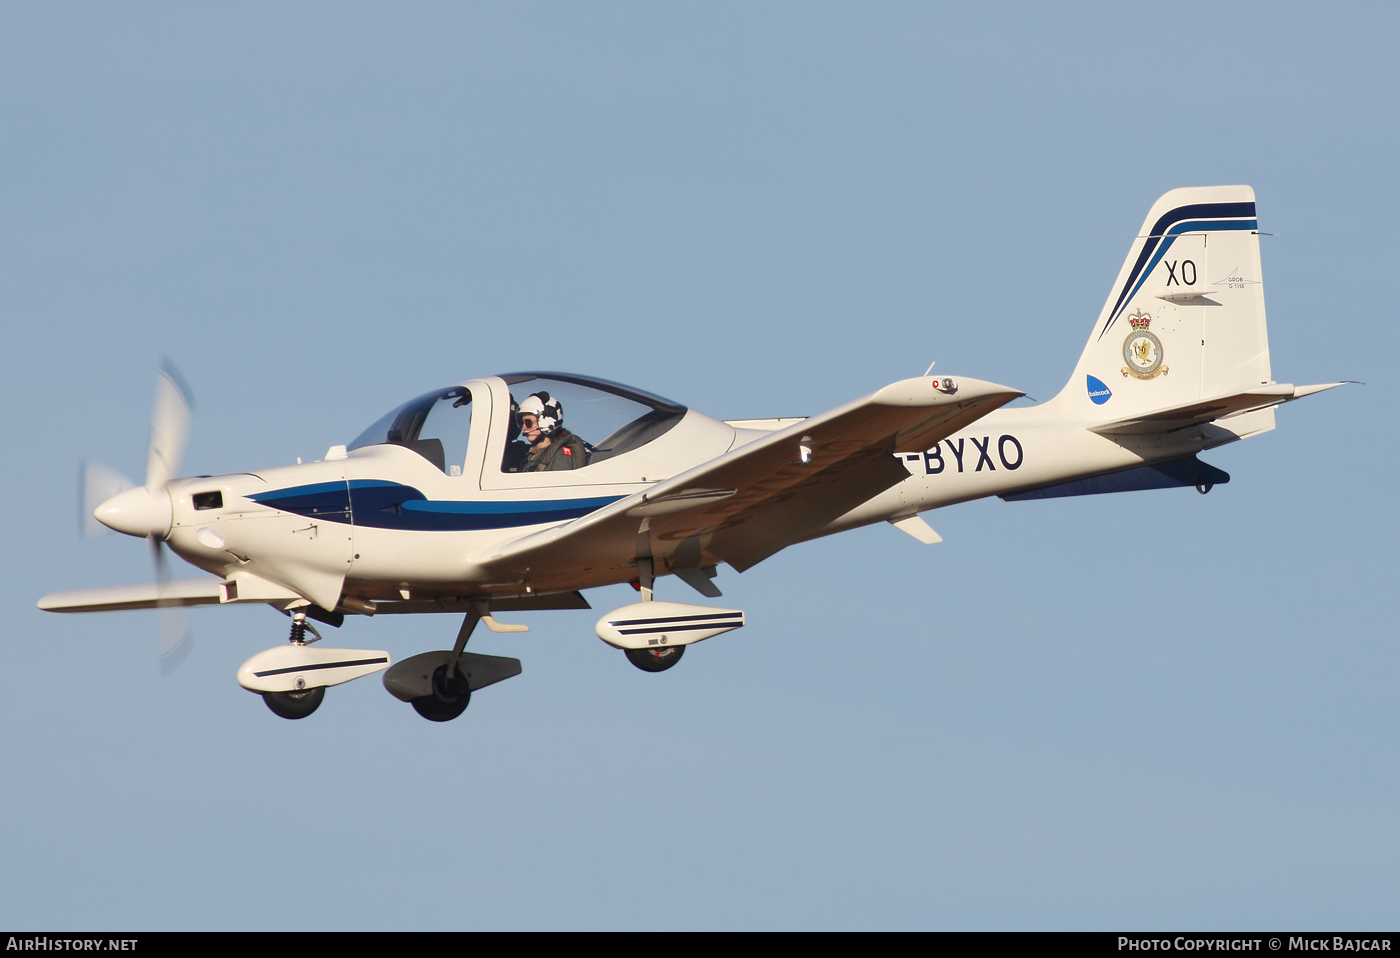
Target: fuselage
point(1017, 449)
point(391, 521)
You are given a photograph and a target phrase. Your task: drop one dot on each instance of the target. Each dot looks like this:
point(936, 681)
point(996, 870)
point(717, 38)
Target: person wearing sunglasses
point(552, 447)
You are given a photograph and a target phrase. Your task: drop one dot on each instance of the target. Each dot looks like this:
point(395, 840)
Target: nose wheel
point(449, 697)
point(301, 702)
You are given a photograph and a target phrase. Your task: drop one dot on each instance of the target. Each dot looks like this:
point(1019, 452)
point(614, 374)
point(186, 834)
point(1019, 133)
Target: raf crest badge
point(1142, 350)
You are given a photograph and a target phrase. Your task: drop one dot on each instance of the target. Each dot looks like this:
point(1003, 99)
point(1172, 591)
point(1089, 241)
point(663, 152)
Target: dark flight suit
point(565, 451)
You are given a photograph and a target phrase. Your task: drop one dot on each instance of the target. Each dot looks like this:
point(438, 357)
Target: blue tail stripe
point(1165, 245)
point(1164, 229)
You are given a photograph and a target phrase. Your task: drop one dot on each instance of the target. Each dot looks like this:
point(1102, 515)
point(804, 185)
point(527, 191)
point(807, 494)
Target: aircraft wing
point(142, 595)
point(753, 501)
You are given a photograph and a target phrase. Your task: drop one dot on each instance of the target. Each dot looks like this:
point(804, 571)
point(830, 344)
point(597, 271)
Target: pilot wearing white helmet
point(552, 447)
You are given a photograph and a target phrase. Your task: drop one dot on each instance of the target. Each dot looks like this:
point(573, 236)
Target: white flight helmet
point(546, 410)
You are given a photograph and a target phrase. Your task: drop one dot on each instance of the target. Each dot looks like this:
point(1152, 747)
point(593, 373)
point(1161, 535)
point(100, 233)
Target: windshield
point(562, 421)
point(435, 425)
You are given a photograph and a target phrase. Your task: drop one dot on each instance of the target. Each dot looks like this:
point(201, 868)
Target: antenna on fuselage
point(930, 367)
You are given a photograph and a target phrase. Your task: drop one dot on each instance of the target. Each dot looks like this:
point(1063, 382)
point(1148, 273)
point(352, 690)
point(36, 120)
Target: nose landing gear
point(292, 678)
point(301, 701)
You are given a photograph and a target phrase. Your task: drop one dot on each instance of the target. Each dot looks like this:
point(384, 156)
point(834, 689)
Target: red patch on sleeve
point(568, 451)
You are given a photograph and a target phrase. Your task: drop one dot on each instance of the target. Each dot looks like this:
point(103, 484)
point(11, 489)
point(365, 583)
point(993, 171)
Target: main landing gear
point(653, 635)
point(449, 697)
point(439, 685)
point(655, 660)
point(651, 659)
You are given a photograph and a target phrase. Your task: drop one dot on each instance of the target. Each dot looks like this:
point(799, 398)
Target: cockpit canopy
point(607, 418)
point(430, 425)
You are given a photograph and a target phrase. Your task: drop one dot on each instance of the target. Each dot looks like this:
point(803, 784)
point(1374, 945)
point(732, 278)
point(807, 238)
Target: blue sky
point(1150, 710)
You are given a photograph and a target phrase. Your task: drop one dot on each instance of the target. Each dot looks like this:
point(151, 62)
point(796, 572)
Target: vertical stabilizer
point(1185, 319)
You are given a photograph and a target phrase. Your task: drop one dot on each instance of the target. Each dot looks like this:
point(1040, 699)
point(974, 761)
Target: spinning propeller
point(107, 498)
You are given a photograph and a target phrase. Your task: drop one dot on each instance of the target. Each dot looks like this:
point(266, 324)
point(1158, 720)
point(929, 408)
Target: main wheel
point(295, 705)
point(449, 698)
point(655, 660)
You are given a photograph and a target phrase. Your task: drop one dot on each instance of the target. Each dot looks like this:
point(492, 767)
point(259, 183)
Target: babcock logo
point(1098, 392)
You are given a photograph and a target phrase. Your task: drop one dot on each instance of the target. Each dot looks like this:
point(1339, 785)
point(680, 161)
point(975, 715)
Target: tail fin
point(1185, 319)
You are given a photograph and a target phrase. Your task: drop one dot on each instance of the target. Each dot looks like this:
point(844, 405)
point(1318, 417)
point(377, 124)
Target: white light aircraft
point(510, 494)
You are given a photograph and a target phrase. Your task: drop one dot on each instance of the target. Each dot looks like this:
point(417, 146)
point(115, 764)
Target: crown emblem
point(1142, 350)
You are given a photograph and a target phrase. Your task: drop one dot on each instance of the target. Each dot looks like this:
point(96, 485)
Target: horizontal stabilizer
point(1172, 474)
point(142, 595)
point(1207, 410)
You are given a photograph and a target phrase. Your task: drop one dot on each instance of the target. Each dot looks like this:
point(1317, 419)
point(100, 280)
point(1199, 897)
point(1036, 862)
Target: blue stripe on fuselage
point(381, 504)
point(324, 500)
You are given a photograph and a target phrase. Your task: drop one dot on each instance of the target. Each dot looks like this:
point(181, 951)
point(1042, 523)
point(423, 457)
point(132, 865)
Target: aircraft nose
point(137, 512)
